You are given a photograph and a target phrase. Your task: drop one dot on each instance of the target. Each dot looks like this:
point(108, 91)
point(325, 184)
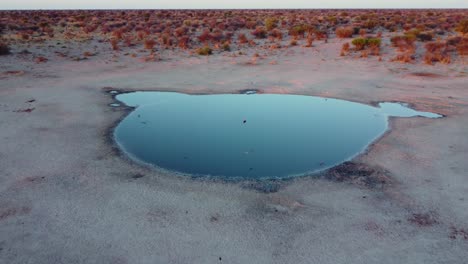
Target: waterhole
point(249, 136)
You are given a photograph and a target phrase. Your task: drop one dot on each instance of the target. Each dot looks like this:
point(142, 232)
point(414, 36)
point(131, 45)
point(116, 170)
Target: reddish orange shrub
point(149, 44)
point(344, 32)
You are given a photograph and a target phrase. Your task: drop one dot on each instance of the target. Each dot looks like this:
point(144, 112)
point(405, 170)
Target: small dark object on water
point(31, 101)
point(245, 121)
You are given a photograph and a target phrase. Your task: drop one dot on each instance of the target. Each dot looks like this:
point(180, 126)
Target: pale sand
point(67, 195)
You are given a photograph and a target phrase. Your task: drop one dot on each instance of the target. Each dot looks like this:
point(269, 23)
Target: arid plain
point(69, 195)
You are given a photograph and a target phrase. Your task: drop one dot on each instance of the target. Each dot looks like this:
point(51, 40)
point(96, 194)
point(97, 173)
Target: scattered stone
point(423, 219)
point(456, 233)
point(138, 176)
point(360, 174)
point(263, 187)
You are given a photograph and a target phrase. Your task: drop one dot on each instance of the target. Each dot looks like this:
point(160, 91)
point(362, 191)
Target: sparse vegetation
point(463, 27)
point(130, 30)
point(344, 32)
point(260, 32)
point(205, 51)
point(4, 49)
point(271, 23)
point(361, 43)
point(149, 44)
point(436, 52)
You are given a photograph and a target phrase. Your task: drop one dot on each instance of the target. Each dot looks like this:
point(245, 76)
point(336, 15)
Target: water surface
point(249, 136)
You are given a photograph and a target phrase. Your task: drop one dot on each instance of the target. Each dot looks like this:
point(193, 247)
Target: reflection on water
point(249, 136)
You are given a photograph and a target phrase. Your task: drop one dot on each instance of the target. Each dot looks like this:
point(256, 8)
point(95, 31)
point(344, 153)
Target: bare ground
point(67, 195)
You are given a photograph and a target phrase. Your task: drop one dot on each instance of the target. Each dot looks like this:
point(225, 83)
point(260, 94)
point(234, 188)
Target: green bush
point(298, 30)
point(270, 23)
point(205, 51)
point(374, 42)
point(361, 43)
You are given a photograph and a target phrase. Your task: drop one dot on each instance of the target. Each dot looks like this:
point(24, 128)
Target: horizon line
point(215, 8)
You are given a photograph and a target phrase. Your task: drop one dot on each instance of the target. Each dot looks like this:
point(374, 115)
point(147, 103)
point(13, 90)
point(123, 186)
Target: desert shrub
point(187, 22)
point(226, 47)
point(128, 40)
point(40, 59)
point(250, 24)
point(408, 39)
point(435, 46)
point(183, 42)
point(424, 36)
point(242, 38)
point(362, 32)
point(462, 47)
point(180, 31)
point(166, 39)
point(149, 44)
point(259, 32)
point(370, 24)
point(320, 34)
point(217, 36)
point(118, 34)
point(463, 27)
point(454, 41)
point(4, 49)
point(405, 57)
point(359, 43)
point(141, 34)
point(205, 36)
point(88, 54)
point(345, 47)
point(332, 19)
point(276, 33)
point(310, 40)
point(114, 44)
point(271, 23)
point(374, 42)
point(356, 30)
point(298, 30)
point(344, 32)
point(205, 51)
point(436, 52)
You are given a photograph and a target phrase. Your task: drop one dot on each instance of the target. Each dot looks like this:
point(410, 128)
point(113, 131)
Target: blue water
point(254, 136)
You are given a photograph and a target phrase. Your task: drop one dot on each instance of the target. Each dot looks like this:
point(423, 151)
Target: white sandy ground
point(68, 196)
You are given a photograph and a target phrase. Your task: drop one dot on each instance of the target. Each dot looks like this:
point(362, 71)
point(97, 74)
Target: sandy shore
point(67, 195)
